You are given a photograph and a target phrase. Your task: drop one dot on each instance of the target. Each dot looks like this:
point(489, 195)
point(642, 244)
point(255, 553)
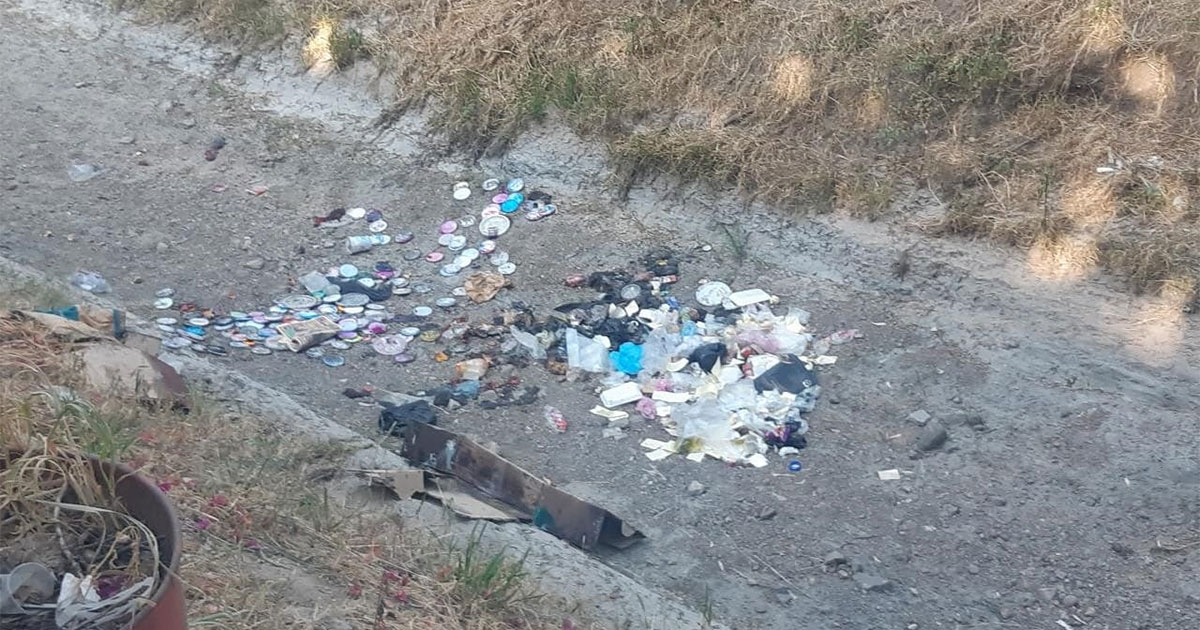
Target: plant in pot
point(84, 543)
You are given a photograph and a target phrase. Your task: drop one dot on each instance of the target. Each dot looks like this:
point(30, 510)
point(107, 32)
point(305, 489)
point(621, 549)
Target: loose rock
point(696, 488)
point(920, 417)
point(932, 437)
point(255, 263)
point(767, 514)
point(872, 582)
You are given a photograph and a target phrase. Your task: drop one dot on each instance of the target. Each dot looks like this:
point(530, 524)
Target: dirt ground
point(1069, 489)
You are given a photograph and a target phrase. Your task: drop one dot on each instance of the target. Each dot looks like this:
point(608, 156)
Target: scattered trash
point(483, 286)
point(396, 419)
point(554, 419)
point(622, 394)
point(83, 172)
point(889, 475)
point(257, 190)
point(90, 281)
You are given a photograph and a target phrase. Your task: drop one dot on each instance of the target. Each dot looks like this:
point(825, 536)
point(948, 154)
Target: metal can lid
point(327, 309)
point(458, 185)
point(422, 311)
point(177, 343)
point(223, 320)
point(354, 299)
point(348, 271)
point(400, 281)
point(374, 215)
point(492, 227)
point(462, 261)
point(199, 322)
point(163, 293)
point(239, 315)
point(487, 247)
point(434, 257)
point(499, 198)
point(338, 344)
point(163, 304)
point(405, 357)
point(422, 288)
point(410, 331)
point(448, 227)
point(167, 329)
point(515, 184)
point(333, 361)
point(402, 291)
point(499, 258)
point(457, 242)
point(462, 193)
point(332, 298)
point(510, 206)
point(348, 335)
point(470, 253)
point(507, 269)
point(403, 237)
point(275, 343)
point(238, 344)
point(377, 227)
point(260, 350)
point(375, 307)
point(446, 302)
point(276, 309)
point(429, 336)
point(299, 302)
point(459, 291)
point(166, 321)
point(216, 350)
point(352, 310)
point(631, 292)
point(449, 269)
point(466, 220)
point(389, 346)
point(491, 184)
point(516, 197)
point(412, 254)
point(492, 210)
point(356, 213)
point(444, 239)
point(795, 465)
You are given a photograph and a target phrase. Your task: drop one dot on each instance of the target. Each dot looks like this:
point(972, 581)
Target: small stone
point(761, 609)
point(835, 559)
point(126, 140)
point(920, 417)
point(299, 250)
point(161, 247)
point(932, 437)
point(1070, 601)
point(327, 244)
point(187, 123)
point(834, 400)
point(767, 514)
point(972, 569)
point(871, 582)
point(165, 105)
point(453, 405)
point(1090, 611)
point(956, 400)
point(911, 626)
point(254, 263)
point(622, 423)
point(488, 395)
point(1006, 612)
point(1047, 594)
point(784, 597)
point(138, 280)
point(143, 162)
point(696, 489)
point(10, 187)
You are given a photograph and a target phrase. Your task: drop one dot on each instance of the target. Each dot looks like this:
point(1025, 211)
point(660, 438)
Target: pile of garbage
point(724, 374)
point(348, 304)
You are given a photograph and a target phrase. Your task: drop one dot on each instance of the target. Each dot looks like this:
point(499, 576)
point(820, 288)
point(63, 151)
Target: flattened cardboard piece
point(570, 518)
point(410, 482)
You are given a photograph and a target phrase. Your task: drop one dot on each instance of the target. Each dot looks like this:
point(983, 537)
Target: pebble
point(137, 280)
point(835, 559)
point(932, 437)
point(255, 263)
point(696, 488)
point(1047, 594)
point(1070, 601)
point(187, 123)
point(161, 247)
point(767, 514)
point(126, 140)
point(872, 582)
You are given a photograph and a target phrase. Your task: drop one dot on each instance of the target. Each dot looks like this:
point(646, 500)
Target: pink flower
point(203, 524)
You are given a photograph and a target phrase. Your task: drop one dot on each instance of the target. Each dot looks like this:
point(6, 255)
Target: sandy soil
point(1069, 487)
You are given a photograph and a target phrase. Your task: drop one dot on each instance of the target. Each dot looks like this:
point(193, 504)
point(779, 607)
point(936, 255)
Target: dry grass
point(265, 544)
point(997, 105)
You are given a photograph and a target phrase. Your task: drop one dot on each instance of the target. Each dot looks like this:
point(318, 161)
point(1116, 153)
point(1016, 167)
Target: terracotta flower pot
point(145, 502)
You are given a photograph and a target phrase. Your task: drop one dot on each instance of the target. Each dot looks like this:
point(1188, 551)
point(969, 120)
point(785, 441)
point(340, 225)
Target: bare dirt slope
point(1069, 488)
